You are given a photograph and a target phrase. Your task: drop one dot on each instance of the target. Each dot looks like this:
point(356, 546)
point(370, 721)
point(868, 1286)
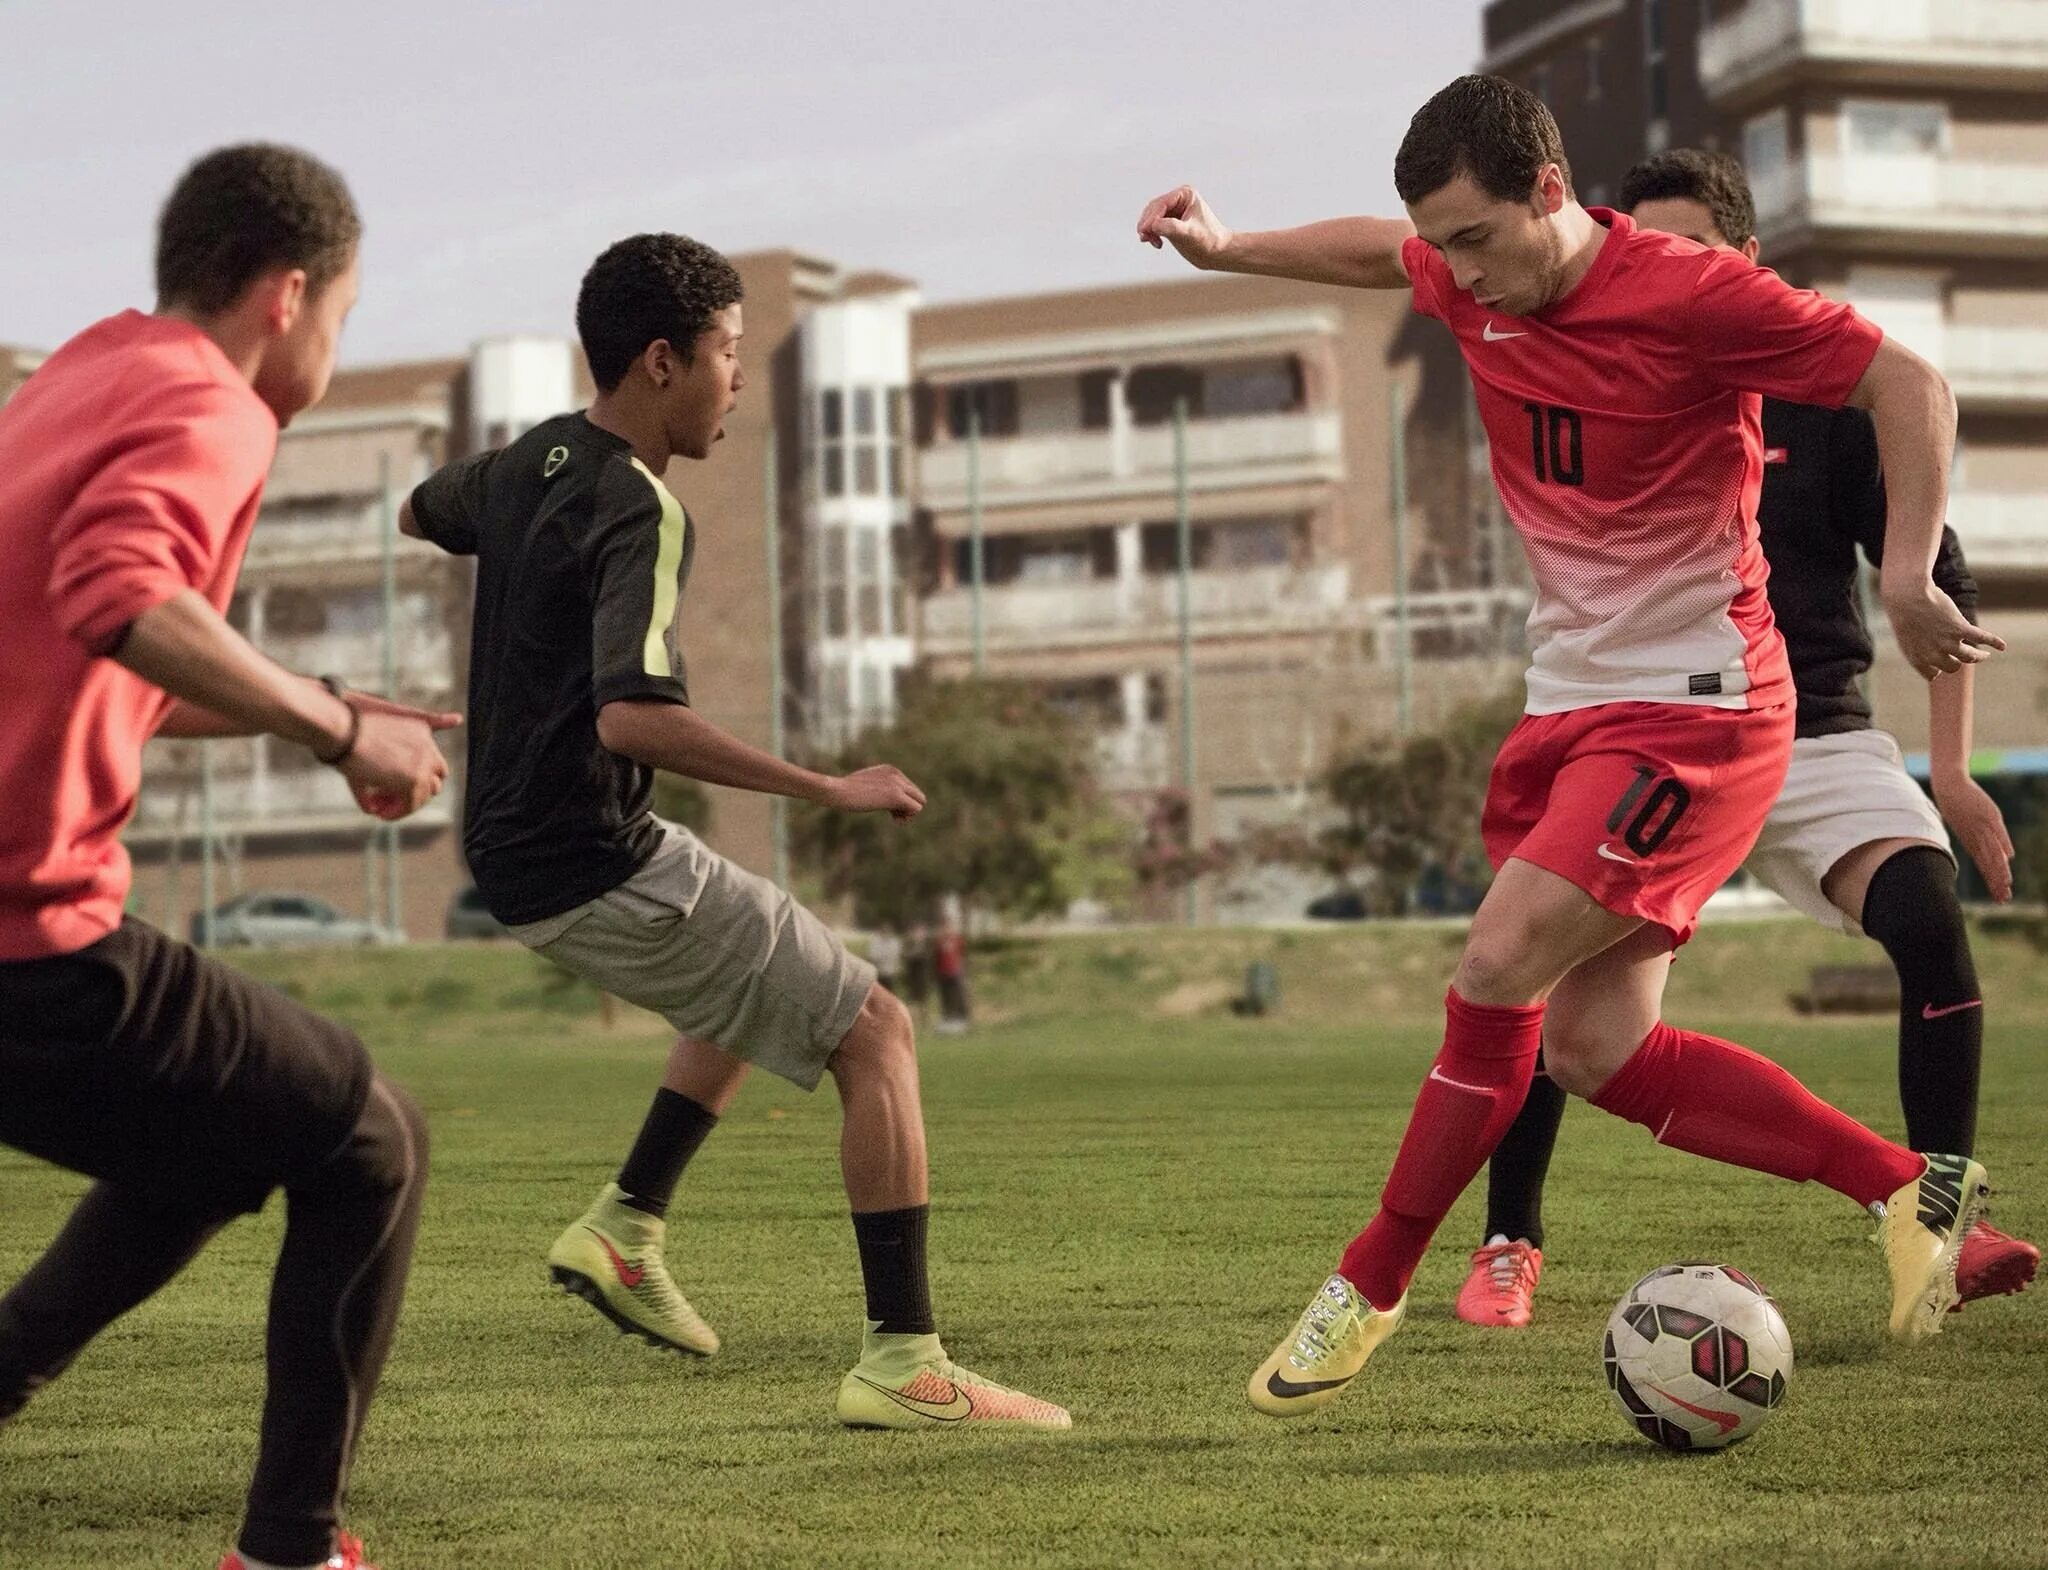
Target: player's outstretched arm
point(1359, 253)
point(1915, 416)
point(224, 684)
point(680, 740)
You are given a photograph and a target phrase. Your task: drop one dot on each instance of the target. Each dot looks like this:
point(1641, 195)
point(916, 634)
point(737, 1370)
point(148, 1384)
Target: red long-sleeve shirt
point(131, 467)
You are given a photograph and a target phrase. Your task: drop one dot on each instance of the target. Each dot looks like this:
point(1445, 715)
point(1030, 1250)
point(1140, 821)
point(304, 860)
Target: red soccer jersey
point(1627, 448)
point(131, 466)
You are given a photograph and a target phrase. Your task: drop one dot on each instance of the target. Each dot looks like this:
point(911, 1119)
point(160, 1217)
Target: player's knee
point(1494, 970)
point(882, 1041)
point(387, 1152)
point(1577, 1061)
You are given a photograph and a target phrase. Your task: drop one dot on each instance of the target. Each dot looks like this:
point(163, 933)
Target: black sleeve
point(1856, 498)
point(635, 557)
point(1952, 574)
point(448, 504)
point(1859, 503)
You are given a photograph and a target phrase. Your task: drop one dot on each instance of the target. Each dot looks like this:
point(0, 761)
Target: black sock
point(1514, 1176)
point(675, 1127)
point(1911, 909)
point(892, 1266)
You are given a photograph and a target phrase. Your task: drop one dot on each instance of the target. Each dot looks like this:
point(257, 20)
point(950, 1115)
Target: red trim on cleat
point(1501, 1290)
point(1993, 1264)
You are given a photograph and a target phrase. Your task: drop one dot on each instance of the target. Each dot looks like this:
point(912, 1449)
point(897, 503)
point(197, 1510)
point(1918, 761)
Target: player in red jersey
point(131, 470)
point(1618, 374)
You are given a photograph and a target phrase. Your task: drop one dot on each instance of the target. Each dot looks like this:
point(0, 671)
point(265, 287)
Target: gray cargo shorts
point(721, 953)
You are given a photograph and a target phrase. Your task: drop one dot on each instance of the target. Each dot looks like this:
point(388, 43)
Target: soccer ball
point(1697, 1355)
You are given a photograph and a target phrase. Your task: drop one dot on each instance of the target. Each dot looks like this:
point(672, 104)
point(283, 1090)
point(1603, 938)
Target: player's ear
point(281, 296)
point(659, 361)
point(1550, 194)
point(1751, 247)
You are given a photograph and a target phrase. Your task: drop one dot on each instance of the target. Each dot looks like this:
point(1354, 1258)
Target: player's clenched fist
point(877, 789)
point(1184, 219)
point(394, 767)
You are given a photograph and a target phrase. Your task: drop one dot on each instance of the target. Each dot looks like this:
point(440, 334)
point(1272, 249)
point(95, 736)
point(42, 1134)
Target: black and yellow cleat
point(1922, 1236)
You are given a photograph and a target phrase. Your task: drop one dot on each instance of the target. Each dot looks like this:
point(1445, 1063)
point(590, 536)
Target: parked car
point(1338, 905)
point(275, 921)
point(469, 918)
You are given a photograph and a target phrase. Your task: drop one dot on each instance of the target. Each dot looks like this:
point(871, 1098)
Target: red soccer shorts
point(1648, 807)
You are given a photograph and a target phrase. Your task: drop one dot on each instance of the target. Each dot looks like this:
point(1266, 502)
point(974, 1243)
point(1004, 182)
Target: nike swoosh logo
point(1442, 1078)
point(1727, 1422)
point(1615, 855)
point(629, 1275)
point(1929, 1011)
point(943, 1411)
point(1287, 1389)
point(1493, 337)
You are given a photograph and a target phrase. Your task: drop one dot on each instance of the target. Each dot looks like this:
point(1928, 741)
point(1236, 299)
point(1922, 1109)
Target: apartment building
point(1045, 440)
point(1898, 150)
point(16, 366)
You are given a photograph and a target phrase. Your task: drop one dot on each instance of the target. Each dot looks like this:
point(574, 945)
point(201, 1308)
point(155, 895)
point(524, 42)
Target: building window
point(1656, 70)
point(832, 442)
point(867, 569)
point(897, 425)
point(832, 580)
point(900, 568)
point(1592, 70)
point(996, 402)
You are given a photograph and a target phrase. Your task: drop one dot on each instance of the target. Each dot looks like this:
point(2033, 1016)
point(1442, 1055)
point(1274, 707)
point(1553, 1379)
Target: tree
point(1412, 807)
point(1012, 821)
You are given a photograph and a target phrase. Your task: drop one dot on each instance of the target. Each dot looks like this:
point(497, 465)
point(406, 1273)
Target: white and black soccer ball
point(1697, 1355)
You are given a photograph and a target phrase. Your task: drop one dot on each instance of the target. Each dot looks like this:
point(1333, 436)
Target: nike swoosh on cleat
point(1287, 1389)
point(629, 1275)
point(943, 1411)
point(1727, 1422)
point(1929, 1011)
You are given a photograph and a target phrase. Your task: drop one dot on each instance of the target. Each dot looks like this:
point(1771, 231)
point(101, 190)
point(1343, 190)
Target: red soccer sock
point(1724, 1102)
point(1474, 1089)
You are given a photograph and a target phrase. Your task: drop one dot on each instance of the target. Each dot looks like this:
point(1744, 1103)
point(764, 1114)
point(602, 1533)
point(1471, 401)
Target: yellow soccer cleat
point(1922, 1235)
point(611, 1258)
point(909, 1382)
point(1336, 1333)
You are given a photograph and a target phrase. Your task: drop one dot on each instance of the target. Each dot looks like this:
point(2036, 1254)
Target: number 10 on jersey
point(1555, 445)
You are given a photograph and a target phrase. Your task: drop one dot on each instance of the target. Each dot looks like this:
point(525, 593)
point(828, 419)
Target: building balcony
point(1248, 601)
point(1997, 369)
point(2001, 531)
point(425, 656)
point(1133, 760)
point(1911, 205)
point(1903, 43)
point(1083, 466)
point(305, 801)
point(349, 532)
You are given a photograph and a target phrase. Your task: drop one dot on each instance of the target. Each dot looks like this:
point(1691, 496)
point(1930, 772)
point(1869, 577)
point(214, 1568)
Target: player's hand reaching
point(877, 789)
point(1184, 219)
point(395, 768)
point(1935, 637)
point(1967, 808)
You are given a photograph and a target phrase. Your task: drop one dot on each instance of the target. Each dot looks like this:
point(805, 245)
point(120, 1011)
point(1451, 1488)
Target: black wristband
point(355, 724)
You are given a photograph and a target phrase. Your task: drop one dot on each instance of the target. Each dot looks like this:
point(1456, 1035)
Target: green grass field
point(1135, 1194)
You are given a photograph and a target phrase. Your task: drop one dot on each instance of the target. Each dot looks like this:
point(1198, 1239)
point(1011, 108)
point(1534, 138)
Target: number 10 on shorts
point(1648, 810)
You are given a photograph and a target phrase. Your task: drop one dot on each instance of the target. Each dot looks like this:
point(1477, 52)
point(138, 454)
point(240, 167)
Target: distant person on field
point(917, 966)
point(949, 965)
point(578, 694)
point(885, 953)
point(131, 469)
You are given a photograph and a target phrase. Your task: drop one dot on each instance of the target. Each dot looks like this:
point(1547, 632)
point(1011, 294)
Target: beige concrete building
point(1295, 625)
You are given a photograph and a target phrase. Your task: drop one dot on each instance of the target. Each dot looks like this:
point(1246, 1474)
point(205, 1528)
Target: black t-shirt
point(582, 555)
point(1823, 498)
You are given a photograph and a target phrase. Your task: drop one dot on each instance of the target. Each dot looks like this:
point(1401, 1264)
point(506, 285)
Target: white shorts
point(1842, 792)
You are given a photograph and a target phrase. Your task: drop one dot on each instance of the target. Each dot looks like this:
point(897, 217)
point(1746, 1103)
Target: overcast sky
point(496, 145)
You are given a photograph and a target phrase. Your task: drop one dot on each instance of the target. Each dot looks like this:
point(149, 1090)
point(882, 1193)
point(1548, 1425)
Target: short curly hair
point(649, 287)
point(1714, 180)
point(242, 211)
point(1483, 126)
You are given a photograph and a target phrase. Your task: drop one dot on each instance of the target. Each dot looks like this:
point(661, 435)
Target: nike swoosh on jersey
point(1614, 855)
point(1493, 337)
point(944, 1411)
